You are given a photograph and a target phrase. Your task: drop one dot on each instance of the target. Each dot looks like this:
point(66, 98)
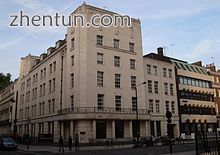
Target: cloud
point(7, 44)
point(30, 4)
point(204, 50)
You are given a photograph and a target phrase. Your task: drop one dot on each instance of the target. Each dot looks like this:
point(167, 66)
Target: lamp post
point(137, 119)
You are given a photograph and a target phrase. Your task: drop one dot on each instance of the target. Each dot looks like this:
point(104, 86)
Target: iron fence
point(103, 110)
point(207, 143)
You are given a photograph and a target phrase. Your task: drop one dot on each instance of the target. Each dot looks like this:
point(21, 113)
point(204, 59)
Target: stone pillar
point(145, 128)
point(94, 129)
point(62, 128)
point(130, 129)
point(113, 128)
point(72, 128)
point(56, 131)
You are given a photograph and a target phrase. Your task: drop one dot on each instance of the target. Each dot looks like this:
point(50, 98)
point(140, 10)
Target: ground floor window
point(100, 129)
point(158, 126)
point(136, 128)
point(152, 131)
point(119, 129)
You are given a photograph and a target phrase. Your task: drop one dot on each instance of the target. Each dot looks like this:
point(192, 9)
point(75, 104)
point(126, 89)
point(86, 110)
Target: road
point(130, 151)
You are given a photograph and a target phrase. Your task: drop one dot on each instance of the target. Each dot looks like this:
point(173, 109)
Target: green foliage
point(5, 80)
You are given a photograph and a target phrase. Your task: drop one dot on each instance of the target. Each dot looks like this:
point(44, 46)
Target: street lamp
point(136, 96)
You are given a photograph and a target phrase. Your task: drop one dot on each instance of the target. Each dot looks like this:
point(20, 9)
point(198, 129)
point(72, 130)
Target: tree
point(5, 80)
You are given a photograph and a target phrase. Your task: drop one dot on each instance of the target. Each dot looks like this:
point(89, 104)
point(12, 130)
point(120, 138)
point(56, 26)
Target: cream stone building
point(161, 93)
point(195, 97)
point(8, 109)
point(85, 84)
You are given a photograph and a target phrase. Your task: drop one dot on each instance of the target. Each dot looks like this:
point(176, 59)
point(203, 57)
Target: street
point(128, 151)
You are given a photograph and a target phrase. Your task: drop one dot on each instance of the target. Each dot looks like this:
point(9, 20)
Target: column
point(56, 131)
point(62, 128)
point(72, 128)
point(113, 128)
point(130, 129)
point(147, 128)
point(94, 129)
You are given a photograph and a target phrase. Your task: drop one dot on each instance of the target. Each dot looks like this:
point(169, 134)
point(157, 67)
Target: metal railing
point(102, 110)
point(207, 143)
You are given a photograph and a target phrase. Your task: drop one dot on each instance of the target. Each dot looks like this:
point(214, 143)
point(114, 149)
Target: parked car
point(7, 144)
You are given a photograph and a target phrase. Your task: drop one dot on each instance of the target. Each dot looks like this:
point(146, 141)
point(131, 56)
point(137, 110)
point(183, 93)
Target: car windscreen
point(8, 140)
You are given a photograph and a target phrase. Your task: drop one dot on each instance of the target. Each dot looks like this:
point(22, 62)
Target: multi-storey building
point(8, 109)
point(215, 74)
point(86, 84)
point(195, 95)
point(41, 91)
point(160, 93)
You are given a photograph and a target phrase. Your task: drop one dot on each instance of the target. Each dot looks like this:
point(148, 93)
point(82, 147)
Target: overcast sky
point(188, 30)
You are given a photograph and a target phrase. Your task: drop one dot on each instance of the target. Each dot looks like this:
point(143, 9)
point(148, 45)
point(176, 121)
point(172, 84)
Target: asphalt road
point(131, 151)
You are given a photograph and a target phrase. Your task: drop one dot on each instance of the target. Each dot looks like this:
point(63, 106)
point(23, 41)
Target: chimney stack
point(160, 51)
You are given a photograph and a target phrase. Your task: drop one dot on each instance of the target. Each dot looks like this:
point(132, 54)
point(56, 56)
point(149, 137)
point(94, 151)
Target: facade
point(86, 85)
point(195, 95)
point(7, 109)
point(161, 93)
point(215, 74)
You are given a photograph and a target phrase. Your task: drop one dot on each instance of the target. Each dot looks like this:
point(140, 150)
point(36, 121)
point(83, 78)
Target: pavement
point(55, 149)
point(185, 149)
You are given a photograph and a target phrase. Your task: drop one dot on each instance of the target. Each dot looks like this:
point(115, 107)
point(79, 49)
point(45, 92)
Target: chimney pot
point(160, 51)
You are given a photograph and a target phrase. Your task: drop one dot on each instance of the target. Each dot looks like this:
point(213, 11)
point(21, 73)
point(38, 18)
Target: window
point(154, 70)
point(148, 69)
point(50, 86)
point(132, 64)
point(116, 43)
point(173, 107)
point(72, 102)
point(72, 80)
point(72, 60)
point(40, 90)
point(151, 106)
point(43, 108)
point(171, 89)
point(149, 86)
point(131, 47)
point(45, 72)
point(44, 89)
point(118, 103)
point(99, 40)
point(100, 101)
point(100, 79)
point(134, 103)
point(36, 78)
point(72, 42)
point(99, 58)
point(156, 90)
point(164, 72)
point(51, 69)
point(170, 73)
point(54, 66)
point(116, 61)
point(167, 106)
point(166, 88)
point(157, 106)
point(133, 82)
point(54, 85)
point(117, 80)
point(41, 74)
point(53, 105)
point(49, 106)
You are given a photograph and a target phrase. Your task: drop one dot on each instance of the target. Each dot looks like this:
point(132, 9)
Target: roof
point(189, 67)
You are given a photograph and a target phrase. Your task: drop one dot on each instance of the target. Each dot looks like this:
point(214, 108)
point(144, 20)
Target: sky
point(188, 30)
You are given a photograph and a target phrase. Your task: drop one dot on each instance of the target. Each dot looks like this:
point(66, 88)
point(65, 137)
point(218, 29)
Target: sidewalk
point(183, 153)
point(36, 148)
